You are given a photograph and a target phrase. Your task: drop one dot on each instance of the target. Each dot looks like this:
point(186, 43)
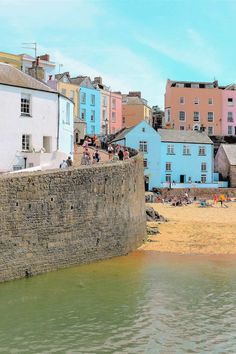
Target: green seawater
point(141, 303)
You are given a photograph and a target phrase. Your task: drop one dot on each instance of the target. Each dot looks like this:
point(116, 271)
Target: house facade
point(225, 163)
point(194, 106)
point(229, 110)
point(145, 139)
point(186, 159)
point(29, 122)
point(66, 125)
point(111, 108)
point(135, 109)
point(89, 104)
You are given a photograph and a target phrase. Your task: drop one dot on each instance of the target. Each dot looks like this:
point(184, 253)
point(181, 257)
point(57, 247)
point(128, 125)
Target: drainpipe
point(58, 120)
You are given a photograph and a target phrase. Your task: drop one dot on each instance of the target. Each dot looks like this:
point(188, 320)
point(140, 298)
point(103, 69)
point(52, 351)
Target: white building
point(33, 127)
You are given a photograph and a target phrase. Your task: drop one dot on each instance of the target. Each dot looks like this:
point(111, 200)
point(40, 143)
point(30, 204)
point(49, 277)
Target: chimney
point(98, 80)
point(134, 94)
point(45, 57)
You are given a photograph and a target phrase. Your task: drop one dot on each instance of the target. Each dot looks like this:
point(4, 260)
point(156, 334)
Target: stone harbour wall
point(51, 220)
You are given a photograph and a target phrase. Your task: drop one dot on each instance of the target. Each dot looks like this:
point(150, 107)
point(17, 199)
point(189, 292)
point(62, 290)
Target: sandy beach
point(195, 230)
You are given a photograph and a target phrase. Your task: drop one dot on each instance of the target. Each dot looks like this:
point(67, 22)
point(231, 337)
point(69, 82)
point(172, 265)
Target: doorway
point(146, 183)
point(182, 179)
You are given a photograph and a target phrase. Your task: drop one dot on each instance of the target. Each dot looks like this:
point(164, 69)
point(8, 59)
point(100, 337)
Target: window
point(26, 140)
point(196, 127)
point(92, 129)
point(181, 127)
point(113, 117)
point(104, 101)
point(170, 149)
point(92, 116)
point(145, 163)
point(196, 100)
point(104, 115)
point(230, 101)
point(83, 97)
point(196, 116)
point(93, 100)
point(72, 95)
point(67, 113)
point(168, 178)
point(143, 146)
point(168, 166)
point(143, 130)
point(181, 115)
point(210, 100)
point(210, 116)
point(25, 105)
point(194, 85)
point(83, 114)
point(123, 120)
point(114, 103)
point(210, 130)
point(230, 130)
point(202, 151)
point(203, 178)
point(186, 150)
point(230, 117)
point(203, 166)
point(63, 91)
point(181, 100)
point(167, 115)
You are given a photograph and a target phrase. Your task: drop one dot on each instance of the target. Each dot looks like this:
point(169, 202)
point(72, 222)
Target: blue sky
point(132, 44)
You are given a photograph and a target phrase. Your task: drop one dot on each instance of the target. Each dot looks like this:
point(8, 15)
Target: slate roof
point(230, 151)
point(184, 136)
point(13, 77)
point(123, 133)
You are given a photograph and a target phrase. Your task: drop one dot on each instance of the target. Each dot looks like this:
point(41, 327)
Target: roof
point(123, 133)
point(230, 152)
point(134, 100)
point(184, 136)
point(11, 76)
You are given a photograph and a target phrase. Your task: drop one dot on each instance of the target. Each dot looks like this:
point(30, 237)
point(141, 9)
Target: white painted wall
point(66, 128)
point(44, 122)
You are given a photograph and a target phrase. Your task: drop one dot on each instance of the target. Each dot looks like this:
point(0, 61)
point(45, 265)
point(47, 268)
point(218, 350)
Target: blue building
point(89, 104)
point(66, 125)
point(186, 158)
point(144, 138)
point(180, 159)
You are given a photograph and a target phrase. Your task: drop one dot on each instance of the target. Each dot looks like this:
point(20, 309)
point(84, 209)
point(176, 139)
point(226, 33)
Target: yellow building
point(69, 90)
point(135, 109)
point(12, 59)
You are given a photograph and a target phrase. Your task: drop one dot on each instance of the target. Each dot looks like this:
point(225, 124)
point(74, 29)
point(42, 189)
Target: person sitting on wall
point(69, 161)
point(121, 154)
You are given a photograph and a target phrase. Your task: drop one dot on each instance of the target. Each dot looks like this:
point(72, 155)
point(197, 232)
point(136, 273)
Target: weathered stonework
point(61, 218)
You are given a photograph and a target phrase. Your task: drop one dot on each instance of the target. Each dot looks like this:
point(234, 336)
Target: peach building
point(194, 106)
point(135, 109)
point(111, 108)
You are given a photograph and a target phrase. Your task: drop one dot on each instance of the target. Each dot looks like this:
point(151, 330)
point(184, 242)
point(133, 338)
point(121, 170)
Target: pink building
point(111, 108)
point(229, 110)
point(194, 106)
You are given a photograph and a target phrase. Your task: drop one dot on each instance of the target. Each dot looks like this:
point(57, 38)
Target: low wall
point(199, 192)
point(67, 217)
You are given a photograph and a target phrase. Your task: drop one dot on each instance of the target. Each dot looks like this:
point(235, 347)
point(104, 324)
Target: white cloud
point(190, 49)
point(121, 69)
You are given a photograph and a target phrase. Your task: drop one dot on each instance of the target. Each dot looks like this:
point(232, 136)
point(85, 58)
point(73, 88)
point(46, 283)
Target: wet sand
point(195, 230)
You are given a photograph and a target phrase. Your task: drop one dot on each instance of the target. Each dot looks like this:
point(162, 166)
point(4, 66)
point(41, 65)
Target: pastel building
point(194, 106)
point(228, 110)
point(145, 139)
point(135, 109)
point(172, 158)
point(89, 104)
point(35, 122)
point(111, 108)
point(186, 158)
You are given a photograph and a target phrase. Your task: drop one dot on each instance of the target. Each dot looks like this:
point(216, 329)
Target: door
point(182, 178)
point(146, 183)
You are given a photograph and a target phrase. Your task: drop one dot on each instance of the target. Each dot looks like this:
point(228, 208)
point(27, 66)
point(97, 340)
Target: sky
point(135, 45)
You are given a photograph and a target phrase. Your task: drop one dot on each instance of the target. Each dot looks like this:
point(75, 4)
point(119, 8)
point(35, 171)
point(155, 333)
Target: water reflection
point(143, 303)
